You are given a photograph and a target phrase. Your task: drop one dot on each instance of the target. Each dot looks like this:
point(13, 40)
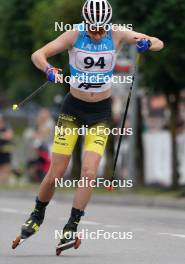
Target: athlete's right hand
point(53, 74)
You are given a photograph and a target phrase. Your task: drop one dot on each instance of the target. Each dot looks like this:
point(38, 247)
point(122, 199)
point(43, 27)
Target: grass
point(140, 191)
point(157, 191)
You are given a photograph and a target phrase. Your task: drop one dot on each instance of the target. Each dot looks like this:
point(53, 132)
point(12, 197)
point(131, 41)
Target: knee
point(54, 174)
point(88, 173)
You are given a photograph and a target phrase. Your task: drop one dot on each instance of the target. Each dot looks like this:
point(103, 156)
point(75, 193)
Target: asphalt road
point(158, 235)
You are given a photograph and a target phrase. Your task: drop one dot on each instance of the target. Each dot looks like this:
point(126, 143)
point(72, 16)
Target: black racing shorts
point(76, 113)
point(87, 113)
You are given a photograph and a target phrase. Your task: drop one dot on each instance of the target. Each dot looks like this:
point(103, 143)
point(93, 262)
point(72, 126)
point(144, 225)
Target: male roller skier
point(92, 51)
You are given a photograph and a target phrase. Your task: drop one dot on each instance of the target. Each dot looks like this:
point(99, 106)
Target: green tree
point(15, 48)
point(42, 22)
point(164, 71)
point(25, 27)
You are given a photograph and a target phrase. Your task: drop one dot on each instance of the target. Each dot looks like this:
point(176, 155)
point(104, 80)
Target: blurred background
point(153, 157)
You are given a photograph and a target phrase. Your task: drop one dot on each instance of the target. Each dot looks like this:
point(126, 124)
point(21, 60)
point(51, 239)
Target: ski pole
point(123, 122)
point(16, 107)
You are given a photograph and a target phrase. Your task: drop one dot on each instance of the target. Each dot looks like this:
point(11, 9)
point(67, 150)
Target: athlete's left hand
point(143, 45)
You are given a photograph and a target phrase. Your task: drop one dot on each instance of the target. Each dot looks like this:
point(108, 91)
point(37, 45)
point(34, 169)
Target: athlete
point(92, 50)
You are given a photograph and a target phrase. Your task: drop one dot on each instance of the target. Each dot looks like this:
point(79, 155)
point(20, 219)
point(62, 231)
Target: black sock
point(40, 206)
point(74, 219)
point(76, 213)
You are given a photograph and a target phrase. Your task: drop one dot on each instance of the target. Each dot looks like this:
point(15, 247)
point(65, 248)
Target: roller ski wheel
point(19, 240)
point(67, 245)
point(77, 243)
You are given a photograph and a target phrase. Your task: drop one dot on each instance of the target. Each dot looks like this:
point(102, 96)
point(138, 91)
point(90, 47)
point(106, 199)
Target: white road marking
point(112, 226)
point(173, 235)
point(12, 211)
point(9, 210)
point(97, 223)
point(89, 222)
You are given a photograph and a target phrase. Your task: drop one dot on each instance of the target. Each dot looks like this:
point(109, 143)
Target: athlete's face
point(96, 34)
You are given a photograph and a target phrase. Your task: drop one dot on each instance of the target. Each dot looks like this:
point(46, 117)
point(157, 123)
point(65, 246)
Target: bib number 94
point(89, 62)
point(93, 62)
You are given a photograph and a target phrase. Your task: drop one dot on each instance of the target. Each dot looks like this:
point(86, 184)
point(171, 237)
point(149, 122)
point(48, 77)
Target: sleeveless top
point(92, 62)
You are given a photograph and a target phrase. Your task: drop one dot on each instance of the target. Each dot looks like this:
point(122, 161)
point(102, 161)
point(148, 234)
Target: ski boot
point(30, 227)
point(70, 238)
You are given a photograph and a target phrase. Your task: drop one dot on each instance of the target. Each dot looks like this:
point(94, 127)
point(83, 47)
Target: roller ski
point(70, 238)
point(67, 242)
point(30, 227)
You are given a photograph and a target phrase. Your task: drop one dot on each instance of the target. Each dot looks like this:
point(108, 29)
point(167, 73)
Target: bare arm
point(65, 41)
point(131, 37)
